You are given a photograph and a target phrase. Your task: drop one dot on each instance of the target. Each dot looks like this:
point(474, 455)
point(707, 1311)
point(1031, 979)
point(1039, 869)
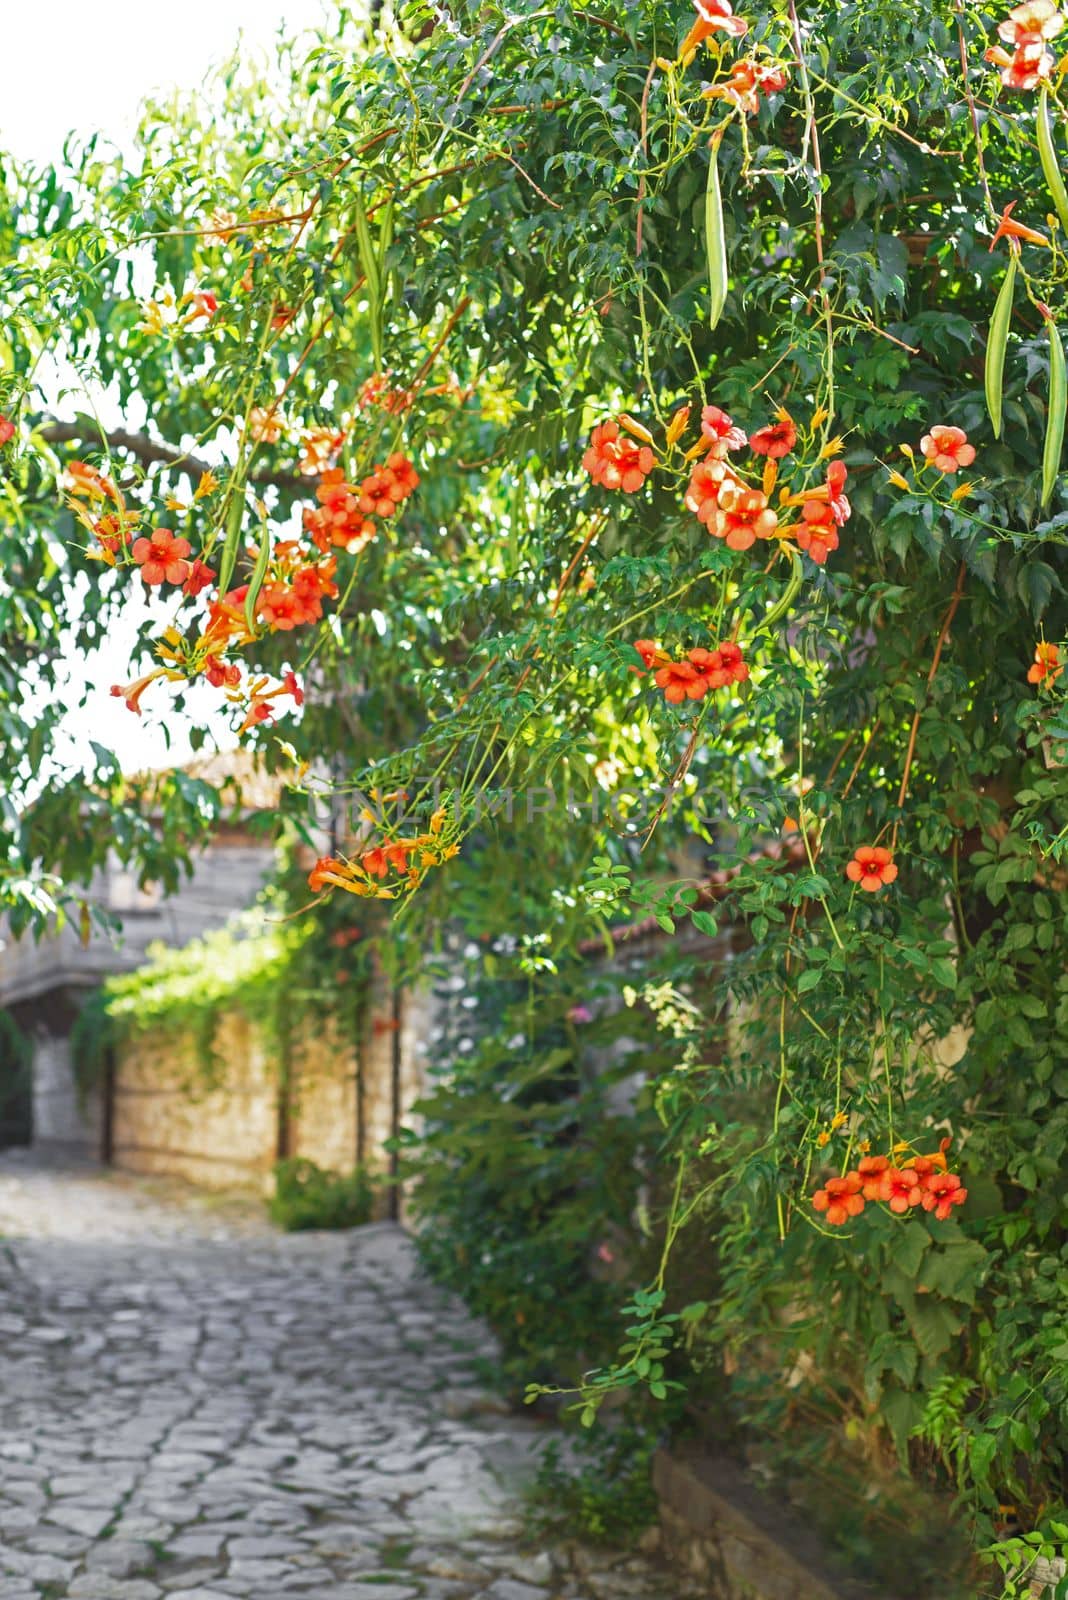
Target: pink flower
point(1035, 19)
point(870, 1170)
point(817, 533)
point(841, 510)
point(720, 432)
point(777, 439)
point(706, 480)
point(947, 448)
point(616, 462)
point(873, 867)
point(132, 692)
point(749, 79)
point(1028, 65)
point(202, 304)
point(840, 1198)
point(742, 517)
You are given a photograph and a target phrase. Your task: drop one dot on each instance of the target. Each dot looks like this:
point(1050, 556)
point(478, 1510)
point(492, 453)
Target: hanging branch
point(943, 635)
point(151, 452)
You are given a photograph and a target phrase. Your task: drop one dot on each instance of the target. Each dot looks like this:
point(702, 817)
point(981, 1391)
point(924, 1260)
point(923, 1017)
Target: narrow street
point(197, 1407)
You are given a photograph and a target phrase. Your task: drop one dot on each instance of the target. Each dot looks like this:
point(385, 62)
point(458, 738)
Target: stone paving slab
point(194, 1407)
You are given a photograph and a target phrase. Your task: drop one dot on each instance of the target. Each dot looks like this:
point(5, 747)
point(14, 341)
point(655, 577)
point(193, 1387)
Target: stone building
point(342, 1094)
point(342, 1097)
point(44, 983)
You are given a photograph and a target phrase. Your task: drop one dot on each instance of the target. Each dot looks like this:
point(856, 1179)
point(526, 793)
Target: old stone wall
point(167, 1118)
point(64, 1120)
point(733, 1542)
point(333, 1102)
point(323, 1095)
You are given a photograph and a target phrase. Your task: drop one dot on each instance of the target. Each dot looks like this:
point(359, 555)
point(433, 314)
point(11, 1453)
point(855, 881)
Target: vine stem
point(943, 635)
point(441, 342)
point(553, 688)
point(812, 139)
point(643, 145)
point(677, 776)
point(803, 824)
point(595, 528)
point(973, 111)
point(781, 1086)
point(859, 762)
point(886, 1061)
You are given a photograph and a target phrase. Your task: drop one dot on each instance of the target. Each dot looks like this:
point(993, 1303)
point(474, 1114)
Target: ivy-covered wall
point(231, 1127)
point(167, 1120)
point(222, 1057)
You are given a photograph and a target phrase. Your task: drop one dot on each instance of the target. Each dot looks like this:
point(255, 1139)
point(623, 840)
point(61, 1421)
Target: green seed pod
point(786, 599)
point(1048, 157)
point(715, 242)
point(1058, 394)
point(372, 272)
point(996, 341)
point(259, 572)
point(233, 538)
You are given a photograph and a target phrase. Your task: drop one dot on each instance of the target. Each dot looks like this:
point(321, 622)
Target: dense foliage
point(805, 577)
point(308, 1196)
point(532, 1157)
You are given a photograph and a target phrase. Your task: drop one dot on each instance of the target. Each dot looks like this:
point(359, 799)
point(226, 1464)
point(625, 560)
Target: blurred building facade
point(43, 983)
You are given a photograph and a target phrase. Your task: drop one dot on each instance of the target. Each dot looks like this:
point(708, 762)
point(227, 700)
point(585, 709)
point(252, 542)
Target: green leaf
point(944, 972)
point(104, 757)
point(372, 272)
point(934, 1326)
point(956, 1270)
point(903, 1412)
point(908, 1246)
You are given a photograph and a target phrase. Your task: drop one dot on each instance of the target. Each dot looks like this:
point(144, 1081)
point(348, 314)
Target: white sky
point(85, 65)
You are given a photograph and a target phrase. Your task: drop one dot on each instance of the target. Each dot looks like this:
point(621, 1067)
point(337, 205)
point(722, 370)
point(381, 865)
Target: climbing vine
point(624, 445)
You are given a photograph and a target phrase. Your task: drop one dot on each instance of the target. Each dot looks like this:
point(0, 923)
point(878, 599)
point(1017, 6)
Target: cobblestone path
point(195, 1407)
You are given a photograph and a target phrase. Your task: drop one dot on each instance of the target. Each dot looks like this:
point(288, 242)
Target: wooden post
point(395, 1106)
point(283, 1142)
point(359, 1040)
point(107, 1119)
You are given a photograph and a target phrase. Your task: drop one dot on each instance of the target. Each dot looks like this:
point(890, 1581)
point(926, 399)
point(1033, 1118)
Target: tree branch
point(150, 452)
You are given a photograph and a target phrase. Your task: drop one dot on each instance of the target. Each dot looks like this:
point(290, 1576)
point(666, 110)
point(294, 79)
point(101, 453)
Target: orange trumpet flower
point(1009, 228)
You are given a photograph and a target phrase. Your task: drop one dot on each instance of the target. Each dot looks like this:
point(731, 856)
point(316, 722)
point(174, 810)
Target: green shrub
point(605, 1494)
point(307, 1196)
point(525, 1179)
